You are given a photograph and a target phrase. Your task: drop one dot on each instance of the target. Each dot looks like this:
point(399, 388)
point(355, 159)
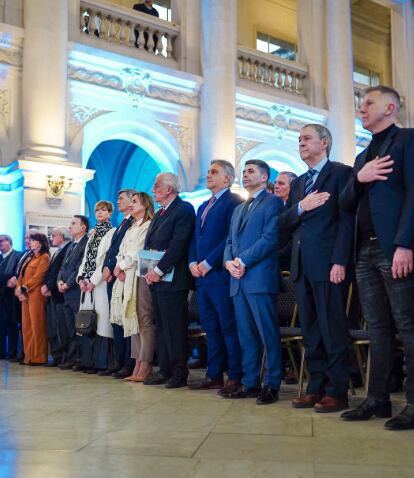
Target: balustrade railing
point(271, 71)
point(120, 25)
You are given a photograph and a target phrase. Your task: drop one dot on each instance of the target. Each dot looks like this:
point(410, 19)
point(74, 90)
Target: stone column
point(44, 80)
point(312, 48)
point(341, 107)
point(402, 44)
point(218, 61)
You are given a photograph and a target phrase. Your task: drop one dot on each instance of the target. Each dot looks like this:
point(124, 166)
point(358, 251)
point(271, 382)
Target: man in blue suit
point(322, 237)
point(213, 282)
point(250, 257)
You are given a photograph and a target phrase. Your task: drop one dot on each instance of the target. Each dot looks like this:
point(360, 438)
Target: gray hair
point(386, 90)
point(228, 168)
point(171, 179)
point(128, 192)
point(6, 237)
point(62, 231)
point(289, 174)
point(323, 132)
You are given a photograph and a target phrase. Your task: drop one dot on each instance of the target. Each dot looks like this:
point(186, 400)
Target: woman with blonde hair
point(131, 305)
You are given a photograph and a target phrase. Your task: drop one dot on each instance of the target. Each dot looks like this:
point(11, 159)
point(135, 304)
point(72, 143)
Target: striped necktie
point(210, 203)
point(309, 180)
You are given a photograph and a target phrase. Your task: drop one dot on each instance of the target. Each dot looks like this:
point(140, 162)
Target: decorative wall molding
point(243, 146)
point(5, 109)
point(117, 83)
point(80, 115)
point(13, 57)
point(276, 117)
point(136, 83)
point(183, 135)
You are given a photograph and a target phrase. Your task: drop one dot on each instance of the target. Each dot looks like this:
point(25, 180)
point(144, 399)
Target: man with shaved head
point(381, 192)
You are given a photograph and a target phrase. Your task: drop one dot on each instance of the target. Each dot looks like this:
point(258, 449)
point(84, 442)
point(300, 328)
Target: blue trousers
point(258, 330)
point(218, 321)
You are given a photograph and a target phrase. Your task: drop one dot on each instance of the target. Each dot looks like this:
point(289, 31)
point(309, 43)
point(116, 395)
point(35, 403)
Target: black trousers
point(388, 306)
point(122, 347)
point(171, 322)
point(56, 330)
point(9, 328)
point(321, 308)
point(70, 309)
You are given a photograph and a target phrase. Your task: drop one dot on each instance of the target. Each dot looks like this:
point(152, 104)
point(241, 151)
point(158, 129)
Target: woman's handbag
point(86, 319)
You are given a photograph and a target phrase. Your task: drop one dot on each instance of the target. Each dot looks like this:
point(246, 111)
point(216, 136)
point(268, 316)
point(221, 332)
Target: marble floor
point(64, 424)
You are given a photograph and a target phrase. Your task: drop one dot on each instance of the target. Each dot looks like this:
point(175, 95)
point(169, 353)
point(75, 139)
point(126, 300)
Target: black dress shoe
point(91, 371)
point(123, 373)
point(403, 421)
point(106, 373)
point(156, 379)
point(206, 384)
point(66, 366)
point(35, 364)
point(176, 382)
point(244, 392)
point(267, 395)
point(368, 408)
point(14, 359)
point(79, 368)
point(51, 364)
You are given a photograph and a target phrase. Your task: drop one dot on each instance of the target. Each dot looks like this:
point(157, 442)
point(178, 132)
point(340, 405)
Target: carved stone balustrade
point(123, 26)
point(271, 71)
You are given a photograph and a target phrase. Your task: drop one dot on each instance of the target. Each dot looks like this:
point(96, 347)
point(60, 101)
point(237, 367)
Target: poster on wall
point(46, 222)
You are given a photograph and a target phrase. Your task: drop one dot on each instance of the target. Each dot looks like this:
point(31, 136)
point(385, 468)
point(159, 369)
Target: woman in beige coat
point(131, 305)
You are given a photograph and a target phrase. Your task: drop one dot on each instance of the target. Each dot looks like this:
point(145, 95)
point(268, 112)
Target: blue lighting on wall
point(12, 203)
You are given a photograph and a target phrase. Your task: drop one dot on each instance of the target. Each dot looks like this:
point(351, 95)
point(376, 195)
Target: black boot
point(403, 421)
point(368, 408)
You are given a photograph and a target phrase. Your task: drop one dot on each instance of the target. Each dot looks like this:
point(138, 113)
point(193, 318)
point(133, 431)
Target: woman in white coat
point(97, 350)
point(131, 305)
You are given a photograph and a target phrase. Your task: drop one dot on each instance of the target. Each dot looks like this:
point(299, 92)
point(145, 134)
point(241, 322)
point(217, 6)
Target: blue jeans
point(388, 306)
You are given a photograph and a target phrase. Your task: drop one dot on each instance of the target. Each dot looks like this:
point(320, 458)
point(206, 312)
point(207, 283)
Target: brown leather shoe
point(229, 387)
point(308, 401)
point(206, 384)
point(331, 404)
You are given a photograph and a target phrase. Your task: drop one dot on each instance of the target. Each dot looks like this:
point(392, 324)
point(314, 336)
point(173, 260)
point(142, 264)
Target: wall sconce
point(56, 186)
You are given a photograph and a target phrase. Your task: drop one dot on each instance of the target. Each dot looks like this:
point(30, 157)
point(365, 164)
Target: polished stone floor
point(65, 424)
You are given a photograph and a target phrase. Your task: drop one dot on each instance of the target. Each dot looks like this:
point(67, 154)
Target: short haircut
point(228, 168)
point(6, 237)
point(270, 186)
point(385, 90)
point(147, 201)
point(171, 179)
point(42, 238)
point(323, 132)
point(128, 192)
point(62, 231)
point(84, 220)
point(289, 174)
point(105, 205)
point(264, 167)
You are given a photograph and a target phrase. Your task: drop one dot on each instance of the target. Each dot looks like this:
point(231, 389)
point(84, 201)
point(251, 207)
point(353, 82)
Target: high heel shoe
point(144, 371)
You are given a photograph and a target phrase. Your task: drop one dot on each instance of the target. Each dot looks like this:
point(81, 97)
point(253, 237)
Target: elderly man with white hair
point(171, 231)
point(60, 238)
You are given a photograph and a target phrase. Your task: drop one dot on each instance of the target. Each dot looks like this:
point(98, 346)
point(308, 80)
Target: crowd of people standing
point(329, 226)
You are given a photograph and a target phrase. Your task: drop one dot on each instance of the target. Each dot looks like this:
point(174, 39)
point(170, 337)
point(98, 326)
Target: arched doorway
point(118, 164)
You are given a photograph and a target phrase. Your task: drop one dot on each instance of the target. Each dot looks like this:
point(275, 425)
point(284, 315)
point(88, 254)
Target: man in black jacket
point(321, 252)
point(9, 306)
point(54, 308)
point(68, 286)
point(171, 231)
point(381, 192)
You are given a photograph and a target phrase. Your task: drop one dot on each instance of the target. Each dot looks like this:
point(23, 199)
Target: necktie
point(210, 203)
point(163, 211)
point(309, 180)
point(246, 208)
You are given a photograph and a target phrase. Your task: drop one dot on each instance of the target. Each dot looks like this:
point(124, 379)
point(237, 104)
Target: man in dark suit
point(213, 281)
point(67, 285)
point(171, 231)
point(54, 308)
point(381, 192)
point(9, 308)
point(321, 252)
point(250, 257)
point(124, 363)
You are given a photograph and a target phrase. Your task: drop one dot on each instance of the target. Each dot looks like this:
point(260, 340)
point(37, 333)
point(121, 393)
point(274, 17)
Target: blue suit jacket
point(392, 201)
point(209, 242)
point(255, 241)
point(324, 236)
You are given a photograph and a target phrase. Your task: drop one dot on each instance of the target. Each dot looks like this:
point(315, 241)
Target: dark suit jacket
point(9, 305)
point(110, 258)
point(71, 263)
point(209, 242)
point(254, 240)
point(172, 233)
point(324, 236)
point(391, 201)
point(51, 278)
